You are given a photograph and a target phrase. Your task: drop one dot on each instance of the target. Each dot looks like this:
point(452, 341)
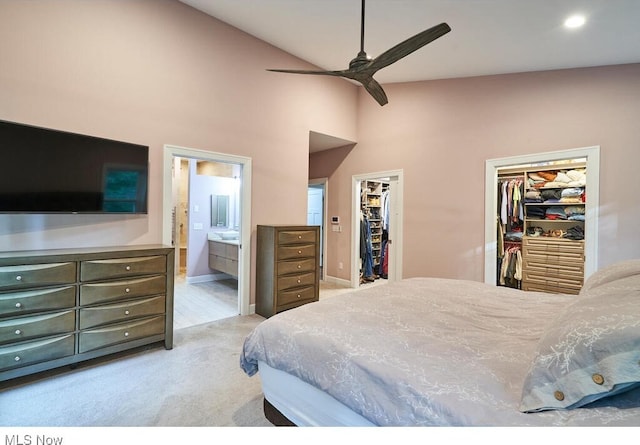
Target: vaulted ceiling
point(488, 36)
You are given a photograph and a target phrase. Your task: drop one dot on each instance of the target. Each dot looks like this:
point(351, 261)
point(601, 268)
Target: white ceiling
point(487, 37)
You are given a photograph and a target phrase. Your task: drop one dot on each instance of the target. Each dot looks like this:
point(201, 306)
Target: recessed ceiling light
point(575, 21)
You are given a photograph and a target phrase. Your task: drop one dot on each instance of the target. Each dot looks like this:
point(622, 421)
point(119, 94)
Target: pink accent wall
point(442, 132)
point(158, 72)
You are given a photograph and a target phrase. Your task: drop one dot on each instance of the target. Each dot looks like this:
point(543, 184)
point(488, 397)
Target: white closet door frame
point(396, 218)
point(592, 154)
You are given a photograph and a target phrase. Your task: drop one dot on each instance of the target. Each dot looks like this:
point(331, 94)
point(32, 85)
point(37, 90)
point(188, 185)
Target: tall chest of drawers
point(287, 267)
point(65, 306)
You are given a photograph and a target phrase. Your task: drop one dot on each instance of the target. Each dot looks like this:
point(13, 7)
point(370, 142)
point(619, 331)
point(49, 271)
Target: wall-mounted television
point(51, 171)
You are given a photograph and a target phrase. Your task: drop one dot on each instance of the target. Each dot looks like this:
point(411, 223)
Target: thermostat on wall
point(335, 220)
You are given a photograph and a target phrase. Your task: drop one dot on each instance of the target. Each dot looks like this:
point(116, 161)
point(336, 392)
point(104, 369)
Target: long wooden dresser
point(61, 307)
point(287, 267)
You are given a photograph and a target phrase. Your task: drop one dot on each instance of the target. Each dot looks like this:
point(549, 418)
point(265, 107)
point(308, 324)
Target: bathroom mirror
point(219, 210)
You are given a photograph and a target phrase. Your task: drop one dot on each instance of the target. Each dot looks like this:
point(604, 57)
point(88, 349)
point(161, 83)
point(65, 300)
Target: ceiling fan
point(362, 68)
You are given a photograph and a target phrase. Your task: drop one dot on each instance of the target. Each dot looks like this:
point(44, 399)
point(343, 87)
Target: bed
point(444, 352)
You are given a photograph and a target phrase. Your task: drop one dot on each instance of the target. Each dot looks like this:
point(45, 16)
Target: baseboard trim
point(340, 281)
point(208, 277)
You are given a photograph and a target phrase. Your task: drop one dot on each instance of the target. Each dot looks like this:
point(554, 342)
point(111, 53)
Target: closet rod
point(500, 178)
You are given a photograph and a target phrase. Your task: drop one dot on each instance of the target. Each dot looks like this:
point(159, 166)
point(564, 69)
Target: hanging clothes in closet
point(511, 267)
point(384, 203)
point(366, 250)
point(510, 224)
point(510, 193)
point(384, 257)
point(383, 266)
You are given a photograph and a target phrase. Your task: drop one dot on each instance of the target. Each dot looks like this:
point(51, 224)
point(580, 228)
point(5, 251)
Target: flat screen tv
point(51, 171)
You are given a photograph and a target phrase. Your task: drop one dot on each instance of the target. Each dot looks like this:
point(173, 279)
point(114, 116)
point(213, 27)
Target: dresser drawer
point(121, 267)
point(93, 293)
point(25, 302)
point(296, 236)
point(299, 251)
point(557, 258)
point(569, 270)
point(298, 296)
point(27, 353)
point(111, 313)
point(554, 288)
point(289, 267)
point(550, 246)
point(23, 328)
point(119, 333)
point(37, 275)
point(533, 281)
point(293, 281)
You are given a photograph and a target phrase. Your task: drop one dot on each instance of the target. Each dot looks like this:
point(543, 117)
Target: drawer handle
point(299, 266)
point(299, 236)
point(298, 281)
point(19, 278)
point(126, 312)
point(127, 290)
point(18, 332)
point(126, 334)
point(298, 295)
point(299, 252)
point(17, 358)
point(128, 268)
point(18, 305)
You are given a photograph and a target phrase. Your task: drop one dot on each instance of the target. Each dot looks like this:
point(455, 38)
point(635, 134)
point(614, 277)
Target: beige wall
point(442, 132)
point(158, 72)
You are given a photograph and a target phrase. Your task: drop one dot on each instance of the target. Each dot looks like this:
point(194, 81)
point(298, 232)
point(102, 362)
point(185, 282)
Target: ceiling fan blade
point(376, 91)
point(361, 69)
point(408, 46)
point(321, 73)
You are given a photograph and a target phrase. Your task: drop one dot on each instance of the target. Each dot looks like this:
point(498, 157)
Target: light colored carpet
point(331, 289)
point(197, 383)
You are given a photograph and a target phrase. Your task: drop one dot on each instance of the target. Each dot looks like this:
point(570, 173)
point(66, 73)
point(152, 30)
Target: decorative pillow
point(590, 351)
point(611, 273)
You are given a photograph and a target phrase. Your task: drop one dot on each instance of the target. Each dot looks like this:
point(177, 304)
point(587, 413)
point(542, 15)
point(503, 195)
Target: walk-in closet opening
point(377, 228)
point(205, 211)
point(541, 219)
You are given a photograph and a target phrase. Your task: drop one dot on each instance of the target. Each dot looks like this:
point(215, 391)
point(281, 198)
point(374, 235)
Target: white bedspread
point(425, 351)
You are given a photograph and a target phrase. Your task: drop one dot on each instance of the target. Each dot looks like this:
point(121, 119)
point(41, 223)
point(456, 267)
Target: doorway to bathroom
point(316, 203)
point(206, 215)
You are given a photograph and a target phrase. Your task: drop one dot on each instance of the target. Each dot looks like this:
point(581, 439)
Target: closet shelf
point(559, 221)
point(564, 204)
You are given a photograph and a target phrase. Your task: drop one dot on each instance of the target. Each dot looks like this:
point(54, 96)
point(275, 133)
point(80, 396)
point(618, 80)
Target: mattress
point(439, 352)
point(304, 404)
